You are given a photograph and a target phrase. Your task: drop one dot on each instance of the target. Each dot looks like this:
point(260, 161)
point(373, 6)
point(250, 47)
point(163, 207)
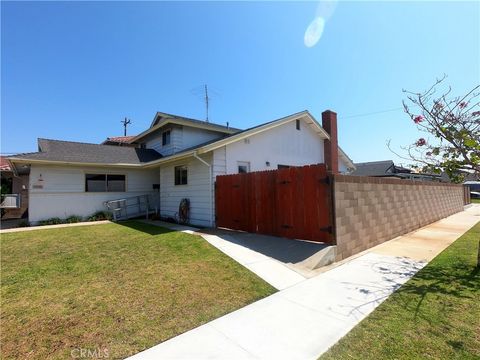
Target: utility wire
point(371, 113)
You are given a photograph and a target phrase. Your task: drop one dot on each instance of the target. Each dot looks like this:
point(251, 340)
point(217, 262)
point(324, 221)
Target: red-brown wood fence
point(293, 203)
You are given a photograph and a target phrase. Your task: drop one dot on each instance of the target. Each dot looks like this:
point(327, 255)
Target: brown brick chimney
point(329, 124)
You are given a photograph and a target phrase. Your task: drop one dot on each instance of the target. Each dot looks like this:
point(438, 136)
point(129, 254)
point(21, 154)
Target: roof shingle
point(76, 152)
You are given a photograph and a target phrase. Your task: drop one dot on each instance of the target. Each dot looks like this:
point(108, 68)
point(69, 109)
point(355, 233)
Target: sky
point(74, 70)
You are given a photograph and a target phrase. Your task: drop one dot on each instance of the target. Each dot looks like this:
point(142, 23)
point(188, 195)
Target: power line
point(372, 113)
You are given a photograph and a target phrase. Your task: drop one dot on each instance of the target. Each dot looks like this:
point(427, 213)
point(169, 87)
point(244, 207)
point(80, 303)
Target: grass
point(114, 288)
point(477, 201)
point(435, 315)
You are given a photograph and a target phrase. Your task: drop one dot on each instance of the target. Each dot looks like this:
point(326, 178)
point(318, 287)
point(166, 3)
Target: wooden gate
point(293, 203)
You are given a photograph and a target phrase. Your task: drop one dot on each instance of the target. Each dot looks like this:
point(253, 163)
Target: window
point(297, 124)
point(166, 138)
point(143, 146)
point(181, 175)
point(104, 182)
point(243, 167)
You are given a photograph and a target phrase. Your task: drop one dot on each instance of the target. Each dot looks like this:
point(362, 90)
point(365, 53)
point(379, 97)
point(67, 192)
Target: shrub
point(23, 223)
point(100, 215)
point(51, 221)
point(73, 219)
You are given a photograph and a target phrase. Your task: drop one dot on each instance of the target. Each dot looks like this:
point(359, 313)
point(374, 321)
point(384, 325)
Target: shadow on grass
point(459, 281)
point(145, 228)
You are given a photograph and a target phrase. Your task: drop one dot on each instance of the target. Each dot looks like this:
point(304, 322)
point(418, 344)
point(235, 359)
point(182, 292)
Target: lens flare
point(314, 32)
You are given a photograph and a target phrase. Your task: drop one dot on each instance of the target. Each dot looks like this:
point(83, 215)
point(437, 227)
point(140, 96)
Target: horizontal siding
point(47, 205)
point(197, 191)
point(284, 145)
point(63, 192)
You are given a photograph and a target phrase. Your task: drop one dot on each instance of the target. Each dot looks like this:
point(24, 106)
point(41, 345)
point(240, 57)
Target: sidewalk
point(304, 320)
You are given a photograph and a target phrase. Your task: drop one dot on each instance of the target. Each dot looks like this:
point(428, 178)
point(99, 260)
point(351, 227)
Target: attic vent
point(246, 141)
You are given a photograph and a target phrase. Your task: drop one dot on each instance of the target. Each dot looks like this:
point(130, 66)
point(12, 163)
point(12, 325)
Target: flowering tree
point(452, 128)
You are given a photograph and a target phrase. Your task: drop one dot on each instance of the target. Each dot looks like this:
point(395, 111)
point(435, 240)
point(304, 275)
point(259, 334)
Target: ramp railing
point(129, 207)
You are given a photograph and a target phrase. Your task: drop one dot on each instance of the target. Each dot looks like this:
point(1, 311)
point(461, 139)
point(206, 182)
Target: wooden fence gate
point(293, 203)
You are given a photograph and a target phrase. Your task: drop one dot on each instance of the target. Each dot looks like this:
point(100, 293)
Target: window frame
point(180, 177)
point(243, 163)
point(166, 135)
point(106, 175)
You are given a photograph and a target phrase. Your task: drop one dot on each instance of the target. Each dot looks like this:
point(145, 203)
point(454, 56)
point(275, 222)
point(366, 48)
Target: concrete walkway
point(304, 320)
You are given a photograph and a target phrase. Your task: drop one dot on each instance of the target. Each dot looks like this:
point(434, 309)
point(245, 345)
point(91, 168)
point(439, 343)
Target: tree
point(452, 125)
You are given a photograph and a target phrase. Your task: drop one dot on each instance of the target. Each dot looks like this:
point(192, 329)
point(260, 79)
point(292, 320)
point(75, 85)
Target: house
point(387, 168)
point(14, 199)
point(175, 158)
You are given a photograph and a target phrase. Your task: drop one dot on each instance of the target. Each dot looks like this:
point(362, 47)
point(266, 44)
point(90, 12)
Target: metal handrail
point(10, 201)
point(129, 207)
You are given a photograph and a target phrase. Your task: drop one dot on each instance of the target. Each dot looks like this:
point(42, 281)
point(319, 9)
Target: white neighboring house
point(175, 158)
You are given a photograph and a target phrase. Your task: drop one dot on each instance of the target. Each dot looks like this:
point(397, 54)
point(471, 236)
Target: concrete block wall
point(369, 211)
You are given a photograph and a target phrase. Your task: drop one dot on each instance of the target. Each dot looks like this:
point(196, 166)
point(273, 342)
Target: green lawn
point(475, 201)
point(115, 287)
point(435, 315)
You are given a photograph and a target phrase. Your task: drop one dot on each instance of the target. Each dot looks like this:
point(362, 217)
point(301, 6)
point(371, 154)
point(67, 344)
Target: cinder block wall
point(369, 211)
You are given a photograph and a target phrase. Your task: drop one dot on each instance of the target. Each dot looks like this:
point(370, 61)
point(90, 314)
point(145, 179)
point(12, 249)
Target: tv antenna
point(205, 94)
point(125, 123)
point(206, 101)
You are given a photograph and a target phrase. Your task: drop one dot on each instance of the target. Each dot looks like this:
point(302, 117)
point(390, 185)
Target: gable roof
point(240, 135)
point(378, 168)
point(161, 119)
point(67, 152)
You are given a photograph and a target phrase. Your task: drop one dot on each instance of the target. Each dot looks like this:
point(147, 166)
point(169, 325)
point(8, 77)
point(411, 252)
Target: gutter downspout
point(209, 184)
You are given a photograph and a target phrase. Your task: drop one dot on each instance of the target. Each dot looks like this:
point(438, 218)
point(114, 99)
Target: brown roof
point(120, 139)
point(4, 164)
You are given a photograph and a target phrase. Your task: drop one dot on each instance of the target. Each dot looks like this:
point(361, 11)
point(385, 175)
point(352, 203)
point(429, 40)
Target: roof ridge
point(83, 143)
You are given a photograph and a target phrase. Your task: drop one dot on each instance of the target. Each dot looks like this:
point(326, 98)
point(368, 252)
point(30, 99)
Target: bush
point(100, 215)
point(23, 223)
point(73, 219)
point(51, 221)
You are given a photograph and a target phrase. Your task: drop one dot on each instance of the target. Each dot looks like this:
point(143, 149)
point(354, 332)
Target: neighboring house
point(388, 168)
point(14, 197)
point(175, 158)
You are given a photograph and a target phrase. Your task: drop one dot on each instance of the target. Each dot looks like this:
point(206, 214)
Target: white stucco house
point(175, 158)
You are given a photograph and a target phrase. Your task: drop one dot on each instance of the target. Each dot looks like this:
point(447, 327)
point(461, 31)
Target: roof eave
point(71, 163)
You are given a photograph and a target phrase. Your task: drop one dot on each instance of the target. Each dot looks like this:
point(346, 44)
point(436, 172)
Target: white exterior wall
point(63, 192)
point(342, 166)
point(193, 136)
point(154, 141)
point(284, 145)
point(198, 190)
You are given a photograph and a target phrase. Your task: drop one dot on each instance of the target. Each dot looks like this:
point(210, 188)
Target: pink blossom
point(421, 142)
point(418, 119)
point(476, 113)
point(462, 105)
point(428, 153)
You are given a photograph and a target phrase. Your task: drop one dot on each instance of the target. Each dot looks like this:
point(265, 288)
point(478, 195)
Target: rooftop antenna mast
point(125, 123)
point(206, 100)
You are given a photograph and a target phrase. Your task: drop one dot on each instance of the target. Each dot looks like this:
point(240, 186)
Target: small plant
point(73, 219)
point(51, 221)
point(23, 223)
point(100, 215)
